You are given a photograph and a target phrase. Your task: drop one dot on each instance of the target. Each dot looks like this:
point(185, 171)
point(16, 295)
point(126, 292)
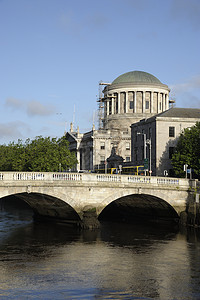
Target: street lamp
point(146, 141)
point(149, 143)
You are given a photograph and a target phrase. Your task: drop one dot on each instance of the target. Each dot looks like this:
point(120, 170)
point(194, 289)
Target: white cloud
point(35, 108)
point(191, 83)
point(188, 100)
point(32, 108)
point(187, 93)
point(14, 103)
point(13, 130)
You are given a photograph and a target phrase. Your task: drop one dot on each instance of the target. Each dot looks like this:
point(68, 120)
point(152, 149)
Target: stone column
point(158, 100)
point(151, 99)
point(143, 101)
point(126, 102)
point(112, 106)
point(119, 103)
point(161, 99)
point(167, 101)
point(135, 101)
point(163, 102)
point(107, 102)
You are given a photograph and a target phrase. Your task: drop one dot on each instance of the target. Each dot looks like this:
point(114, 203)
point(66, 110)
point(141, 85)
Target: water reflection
point(141, 235)
point(48, 261)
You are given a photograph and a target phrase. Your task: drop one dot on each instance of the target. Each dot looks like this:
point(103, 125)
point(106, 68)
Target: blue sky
point(55, 52)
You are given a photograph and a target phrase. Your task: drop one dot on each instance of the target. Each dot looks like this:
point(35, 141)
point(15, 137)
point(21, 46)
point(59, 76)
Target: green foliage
point(188, 151)
point(41, 154)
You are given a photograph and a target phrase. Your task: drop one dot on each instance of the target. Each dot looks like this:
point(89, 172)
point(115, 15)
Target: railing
point(28, 176)
point(107, 177)
point(92, 178)
point(168, 181)
point(139, 179)
point(67, 176)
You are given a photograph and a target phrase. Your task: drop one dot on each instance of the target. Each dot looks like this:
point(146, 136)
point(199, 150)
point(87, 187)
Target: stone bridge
point(71, 197)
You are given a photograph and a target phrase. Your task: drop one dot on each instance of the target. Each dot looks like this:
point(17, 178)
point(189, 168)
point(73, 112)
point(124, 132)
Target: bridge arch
point(176, 198)
point(47, 206)
point(134, 207)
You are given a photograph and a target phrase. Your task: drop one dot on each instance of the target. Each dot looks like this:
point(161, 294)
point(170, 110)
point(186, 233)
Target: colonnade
point(157, 102)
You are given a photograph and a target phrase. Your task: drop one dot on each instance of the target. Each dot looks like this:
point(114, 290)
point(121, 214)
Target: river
point(48, 261)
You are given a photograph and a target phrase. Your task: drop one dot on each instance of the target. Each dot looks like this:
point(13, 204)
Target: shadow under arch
point(45, 207)
point(138, 208)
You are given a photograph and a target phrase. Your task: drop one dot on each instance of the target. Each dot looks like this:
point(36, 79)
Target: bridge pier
point(90, 219)
point(86, 218)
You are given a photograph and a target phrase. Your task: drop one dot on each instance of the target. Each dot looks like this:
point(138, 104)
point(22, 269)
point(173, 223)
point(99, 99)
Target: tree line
point(42, 154)
point(187, 151)
point(45, 154)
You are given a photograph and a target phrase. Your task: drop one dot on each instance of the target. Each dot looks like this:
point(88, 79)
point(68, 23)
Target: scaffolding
point(171, 103)
point(102, 86)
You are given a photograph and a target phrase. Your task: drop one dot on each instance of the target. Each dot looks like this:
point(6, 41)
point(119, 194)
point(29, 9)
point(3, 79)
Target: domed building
point(131, 97)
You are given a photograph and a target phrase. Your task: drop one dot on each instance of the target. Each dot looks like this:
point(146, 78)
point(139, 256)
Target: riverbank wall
point(191, 217)
point(193, 214)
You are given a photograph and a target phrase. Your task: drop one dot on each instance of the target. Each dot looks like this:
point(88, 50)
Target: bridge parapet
point(47, 191)
point(95, 178)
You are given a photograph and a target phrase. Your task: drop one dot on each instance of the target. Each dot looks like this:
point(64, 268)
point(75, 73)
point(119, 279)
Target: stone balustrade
point(94, 178)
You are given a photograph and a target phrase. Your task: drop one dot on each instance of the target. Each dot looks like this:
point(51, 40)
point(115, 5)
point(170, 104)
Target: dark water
point(43, 261)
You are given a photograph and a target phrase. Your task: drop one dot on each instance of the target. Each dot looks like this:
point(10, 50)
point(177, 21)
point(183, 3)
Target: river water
point(48, 261)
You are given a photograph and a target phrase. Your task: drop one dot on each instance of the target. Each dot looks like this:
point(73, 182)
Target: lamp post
point(145, 153)
point(149, 143)
point(185, 169)
point(146, 141)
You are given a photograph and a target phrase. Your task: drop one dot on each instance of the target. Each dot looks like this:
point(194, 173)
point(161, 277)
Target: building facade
point(155, 138)
point(129, 98)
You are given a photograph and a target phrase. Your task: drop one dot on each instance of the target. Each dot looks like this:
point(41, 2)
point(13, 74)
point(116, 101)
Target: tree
point(187, 152)
point(41, 154)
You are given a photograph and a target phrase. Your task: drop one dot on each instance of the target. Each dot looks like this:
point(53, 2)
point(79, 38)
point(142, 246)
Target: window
point(131, 105)
point(102, 146)
point(125, 132)
point(102, 159)
point(147, 104)
point(128, 158)
point(171, 131)
point(127, 146)
point(171, 152)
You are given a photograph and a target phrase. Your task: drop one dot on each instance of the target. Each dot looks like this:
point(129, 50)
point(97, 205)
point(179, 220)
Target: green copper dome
point(136, 77)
